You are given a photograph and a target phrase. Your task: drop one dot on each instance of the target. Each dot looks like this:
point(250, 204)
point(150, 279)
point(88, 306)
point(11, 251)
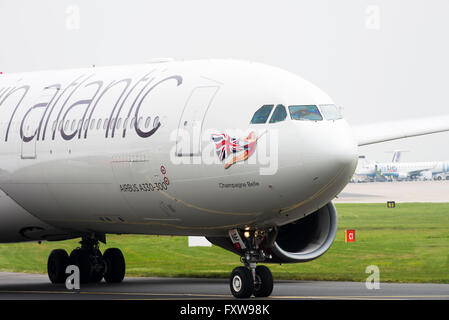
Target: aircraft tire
point(242, 283)
point(97, 276)
point(264, 287)
point(80, 258)
point(57, 263)
point(115, 265)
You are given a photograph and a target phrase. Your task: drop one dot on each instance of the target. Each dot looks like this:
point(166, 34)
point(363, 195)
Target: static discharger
point(349, 236)
point(391, 204)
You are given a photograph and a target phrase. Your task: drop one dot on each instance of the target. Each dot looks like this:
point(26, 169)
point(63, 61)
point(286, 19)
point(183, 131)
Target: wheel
point(264, 282)
point(115, 265)
point(97, 275)
point(242, 283)
point(57, 263)
point(80, 258)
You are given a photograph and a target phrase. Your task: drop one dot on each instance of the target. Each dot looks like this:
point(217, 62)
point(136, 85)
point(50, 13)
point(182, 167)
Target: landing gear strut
point(250, 279)
point(93, 265)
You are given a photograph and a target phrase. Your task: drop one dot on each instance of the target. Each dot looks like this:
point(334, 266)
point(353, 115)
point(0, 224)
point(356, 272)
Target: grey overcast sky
point(379, 59)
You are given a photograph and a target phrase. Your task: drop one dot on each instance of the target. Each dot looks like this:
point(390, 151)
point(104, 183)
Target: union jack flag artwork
point(226, 145)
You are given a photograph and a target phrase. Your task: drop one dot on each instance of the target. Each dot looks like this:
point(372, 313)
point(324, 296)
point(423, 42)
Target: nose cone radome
point(331, 156)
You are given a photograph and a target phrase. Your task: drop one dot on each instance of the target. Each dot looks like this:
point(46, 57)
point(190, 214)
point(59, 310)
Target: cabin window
point(331, 112)
point(92, 124)
point(261, 115)
point(305, 112)
point(73, 125)
point(139, 123)
point(279, 114)
point(147, 123)
point(156, 122)
point(99, 124)
point(119, 123)
point(66, 126)
point(105, 124)
point(125, 123)
point(133, 121)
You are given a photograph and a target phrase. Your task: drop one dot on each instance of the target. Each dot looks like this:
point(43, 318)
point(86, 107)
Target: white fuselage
point(67, 169)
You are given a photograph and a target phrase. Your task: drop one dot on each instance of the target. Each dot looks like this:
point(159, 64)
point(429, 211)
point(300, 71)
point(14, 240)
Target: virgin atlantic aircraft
point(247, 155)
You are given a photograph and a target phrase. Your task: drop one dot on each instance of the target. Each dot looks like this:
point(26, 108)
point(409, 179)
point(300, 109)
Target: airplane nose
point(331, 157)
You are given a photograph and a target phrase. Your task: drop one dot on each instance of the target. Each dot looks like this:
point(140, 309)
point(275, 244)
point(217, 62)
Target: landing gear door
point(190, 125)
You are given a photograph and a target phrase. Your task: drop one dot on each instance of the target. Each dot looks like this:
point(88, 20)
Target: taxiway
point(37, 287)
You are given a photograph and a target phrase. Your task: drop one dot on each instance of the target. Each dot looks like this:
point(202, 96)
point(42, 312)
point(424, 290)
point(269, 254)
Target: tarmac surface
point(399, 191)
point(20, 286)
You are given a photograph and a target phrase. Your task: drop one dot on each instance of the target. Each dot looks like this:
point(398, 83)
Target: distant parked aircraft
point(399, 170)
point(367, 171)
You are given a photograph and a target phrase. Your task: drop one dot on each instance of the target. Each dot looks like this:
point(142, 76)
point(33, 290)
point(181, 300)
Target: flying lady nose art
point(241, 149)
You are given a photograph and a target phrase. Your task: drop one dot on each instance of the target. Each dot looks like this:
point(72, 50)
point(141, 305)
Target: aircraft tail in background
point(397, 155)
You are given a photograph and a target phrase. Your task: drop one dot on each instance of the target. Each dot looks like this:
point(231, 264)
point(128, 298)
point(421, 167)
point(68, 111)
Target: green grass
point(408, 243)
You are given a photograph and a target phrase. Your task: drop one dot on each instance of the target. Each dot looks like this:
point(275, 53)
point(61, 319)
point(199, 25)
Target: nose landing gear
point(250, 279)
point(92, 264)
point(263, 285)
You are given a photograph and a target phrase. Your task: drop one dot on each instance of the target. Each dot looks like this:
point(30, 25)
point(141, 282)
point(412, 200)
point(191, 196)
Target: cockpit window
point(331, 111)
point(262, 114)
point(307, 112)
point(279, 114)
